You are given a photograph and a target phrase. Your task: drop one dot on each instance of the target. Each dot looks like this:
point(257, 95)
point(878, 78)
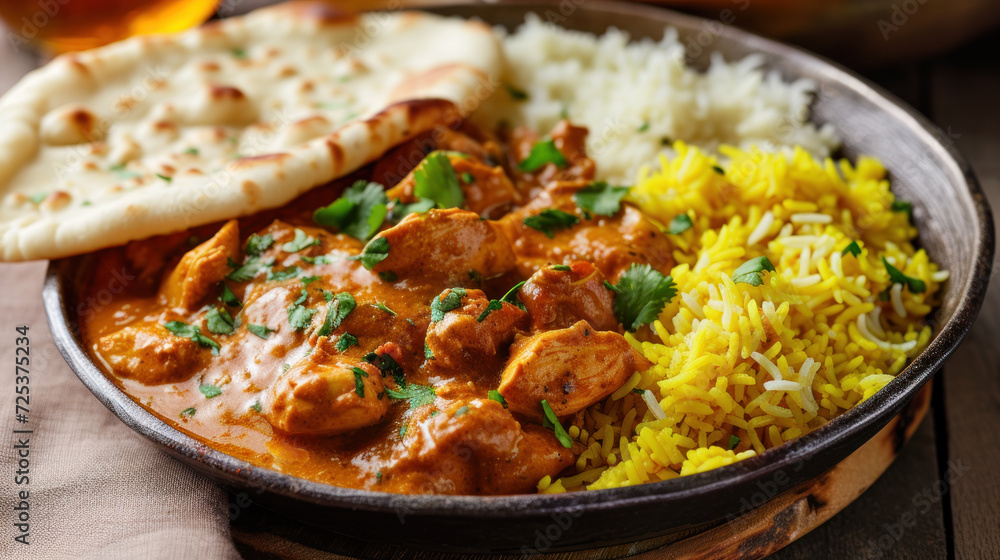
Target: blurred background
point(860, 33)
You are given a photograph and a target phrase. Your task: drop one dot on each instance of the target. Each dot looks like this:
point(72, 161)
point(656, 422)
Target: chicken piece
point(556, 299)
point(488, 191)
point(151, 354)
point(612, 243)
point(570, 368)
point(148, 257)
point(571, 141)
point(474, 446)
point(326, 394)
point(201, 268)
point(461, 340)
point(448, 246)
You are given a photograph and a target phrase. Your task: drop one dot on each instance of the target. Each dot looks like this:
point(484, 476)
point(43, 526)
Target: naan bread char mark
point(160, 133)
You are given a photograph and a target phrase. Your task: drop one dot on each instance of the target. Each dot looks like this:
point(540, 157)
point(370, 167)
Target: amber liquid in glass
point(72, 25)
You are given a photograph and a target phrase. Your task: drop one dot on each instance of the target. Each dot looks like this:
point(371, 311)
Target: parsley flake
point(256, 406)
point(374, 252)
point(359, 381)
point(279, 275)
point(543, 153)
point(733, 442)
point(345, 341)
point(359, 212)
point(301, 241)
point(383, 307)
point(259, 330)
point(896, 276)
point(210, 391)
point(428, 353)
point(561, 267)
point(464, 409)
point(495, 395)
point(600, 198)
point(188, 412)
point(680, 224)
point(450, 301)
point(902, 206)
point(338, 308)
point(229, 298)
point(752, 271)
point(551, 219)
point(398, 210)
point(387, 366)
point(299, 316)
point(416, 395)
point(640, 295)
point(497, 304)
point(248, 269)
point(219, 321)
point(257, 244)
point(852, 248)
point(515, 93)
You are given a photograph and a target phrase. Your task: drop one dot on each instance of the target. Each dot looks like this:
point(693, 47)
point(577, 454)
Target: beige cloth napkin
point(97, 489)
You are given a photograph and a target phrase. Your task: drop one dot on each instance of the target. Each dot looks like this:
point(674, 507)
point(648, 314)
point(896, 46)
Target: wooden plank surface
point(965, 88)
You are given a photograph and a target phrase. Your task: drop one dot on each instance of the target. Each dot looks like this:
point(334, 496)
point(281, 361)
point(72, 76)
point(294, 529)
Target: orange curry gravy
point(394, 393)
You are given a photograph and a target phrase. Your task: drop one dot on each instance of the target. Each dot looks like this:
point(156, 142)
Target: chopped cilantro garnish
point(229, 298)
point(240, 53)
point(194, 333)
point(359, 381)
point(299, 316)
point(549, 220)
point(903, 206)
point(402, 431)
point(165, 178)
point(665, 141)
point(256, 406)
point(600, 198)
point(219, 321)
point(752, 271)
point(388, 276)
point(322, 259)
point(188, 412)
point(210, 391)
point(121, 173)
point(543, 153)
point(495, 395)
point(279, 275)
point(896, 276)
point(428, 353)
point(417, 395)
point(345, 341)
point(640, 295)
point(461, 411)
point(398, 210)
point(359, 212)
point(551, 421)
point(374, 252)
point(383, 307)
point(259, 330)
point(467, 178)
point(308, 280)
point(248, 269)
point(733, 442)
point(38, 197)
point(441, 305)
point(435, 179)
point(300, 242)
point(644, 127)
point(337, 310)
point(387, 365)
point(515, 93)
point(257, 244)
point(561, 267)
point(680, 224)
point(852, 248)
point(497, 304)
point(718, 170)
point(191, 151)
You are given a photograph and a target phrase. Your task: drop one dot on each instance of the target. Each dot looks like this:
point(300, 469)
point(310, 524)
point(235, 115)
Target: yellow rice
point(764, 364)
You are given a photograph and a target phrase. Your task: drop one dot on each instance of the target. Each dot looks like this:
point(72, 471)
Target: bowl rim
point(876, 410)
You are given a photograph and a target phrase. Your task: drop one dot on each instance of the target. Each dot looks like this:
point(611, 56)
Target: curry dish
point(428, 337)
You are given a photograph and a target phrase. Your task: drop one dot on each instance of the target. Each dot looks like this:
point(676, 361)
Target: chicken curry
point(429, 337)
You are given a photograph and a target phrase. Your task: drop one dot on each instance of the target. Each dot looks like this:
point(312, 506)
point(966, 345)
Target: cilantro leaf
point(515, 93)
point(542, 153)
point(718, 170)
point(896, 276)
point(468, 178)
point(188, 412)
point(398, 210)
point(640, 295)
point(359, 212)
point(387, 365)
point(259, 330)
point(194, 333)
point(299, 316)
point(383, 307)
point(374, 252)
point(733, 442)
point(902, 206)
point(345, 341)
point(428, 353)
point(852, 248)
point(359, 381)
point(549, 220)
point(219, 321)
point(308, 280)
point(494, 305)
point(248, 269)
point(279, 275)
point(257, 244)
point(435, 179)
point(600, 198)
point(561, 267)
point(256, 406)
point(337, 310)
point(210, 391)
point(388, 276)
point(680, 224)
point(441, 305)
point(229, 298)
point(752, 271)
point(497, 304)
point(322, 259)
point(551, 421)
point(417, 395)
point(301, 241)
point(495, 395)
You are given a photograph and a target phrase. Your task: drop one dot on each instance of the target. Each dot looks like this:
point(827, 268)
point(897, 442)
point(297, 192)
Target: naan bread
point(157, 134)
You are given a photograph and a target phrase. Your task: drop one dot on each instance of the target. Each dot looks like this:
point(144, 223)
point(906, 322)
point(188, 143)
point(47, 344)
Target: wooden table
point(909, 513)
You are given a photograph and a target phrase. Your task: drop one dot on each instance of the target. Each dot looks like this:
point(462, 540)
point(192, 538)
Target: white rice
point(636, 96)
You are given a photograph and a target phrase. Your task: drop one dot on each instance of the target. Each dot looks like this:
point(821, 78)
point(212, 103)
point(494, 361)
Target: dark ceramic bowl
point(956, 229)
